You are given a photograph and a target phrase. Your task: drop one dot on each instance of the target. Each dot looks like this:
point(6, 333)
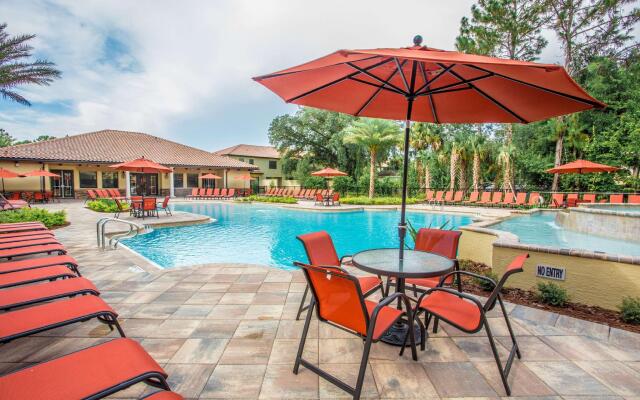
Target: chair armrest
point(385, 302)
point(453, 292)
point(485, 278)
point(302, 265)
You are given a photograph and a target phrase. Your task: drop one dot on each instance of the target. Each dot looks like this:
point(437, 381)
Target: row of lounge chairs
point(95, 194)
point(212, 193)
point(47, 292)
point(521, 199)
point(307, 194)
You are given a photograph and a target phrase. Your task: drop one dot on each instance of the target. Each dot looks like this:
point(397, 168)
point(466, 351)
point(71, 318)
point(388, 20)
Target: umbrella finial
point(417, 40)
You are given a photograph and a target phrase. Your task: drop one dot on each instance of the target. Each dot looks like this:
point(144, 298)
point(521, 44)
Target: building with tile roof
point(266, 158)
point(82, 162)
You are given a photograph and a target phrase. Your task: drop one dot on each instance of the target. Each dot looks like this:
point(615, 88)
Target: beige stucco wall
point(476, 246)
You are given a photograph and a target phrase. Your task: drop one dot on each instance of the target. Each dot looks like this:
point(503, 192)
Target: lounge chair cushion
point(453, 308)
point(41, 317)
point(81, 374)
point(25, 251)
point(46, 291)
point(28, 242)
point(35, 275)
point(12, 266)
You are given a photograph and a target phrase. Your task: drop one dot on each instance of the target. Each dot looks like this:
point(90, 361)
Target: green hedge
point(378, 201)
point(263, 199)
point(48, 218)
point(106, 206)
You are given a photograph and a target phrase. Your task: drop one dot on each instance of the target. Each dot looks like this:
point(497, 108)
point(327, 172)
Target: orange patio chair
point(209, 193)
point(91, 195)
point(26, 295)
point(339, 300)
point(468, 314)
point(295, 193)
point(485, 198)
point(521, 199)
point(193, 195)
point(572, 200)
point(202, 193)
point(457, 198)
point(231, 193)
point(616, 198)
point(321, 252)
point(40, 262)
point(535, 199)
point(32, 250)
point(557, 200)
point(92, 373)
point(496, 199)
point(439, 196)
point(633, 199)
point(29, 276)
point(335, 199)
point(428, 196)
point(216, 193)
point(473, 198)
point(164, 206)
point(508, 199)
point(448, 196)
point(319, 199)
point(589, 198)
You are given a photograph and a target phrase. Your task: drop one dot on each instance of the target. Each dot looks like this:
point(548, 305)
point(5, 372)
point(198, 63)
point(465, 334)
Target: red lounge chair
point(27, 223)
point(616, 198)
point(485, 198)
point(216, 193)
point(30, 250)
point(557, 200)
point(92, 373)
point(34, 294)
point(42, 317)
point(11, 239)
point(38, 197)
point(32, 263)
point(209, 193)
point(28, 243)
point(223, 193)
point(149, 207)
point(572, 200)
point(28, 276)
point(437, 241)
point(321, 251)
point(439, 196)
point(26, 234)
point(164, 206)
point(428, 196)
point(496, 199)
point(448, 197)
point(22, 228)
point(633, 199)
point(319, 199)
point(231, 193)
point(341, 303)
point(91, 195)
point(193, 195)
point(335, 199)
point(521, 199)
point(466, 313)
point(508, 199)
point(457, 198)
point(589, 198)
point(534, 199)
point(473, 197)
point(296, 193)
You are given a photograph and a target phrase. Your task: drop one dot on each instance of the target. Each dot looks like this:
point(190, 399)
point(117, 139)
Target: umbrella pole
point(402, 227)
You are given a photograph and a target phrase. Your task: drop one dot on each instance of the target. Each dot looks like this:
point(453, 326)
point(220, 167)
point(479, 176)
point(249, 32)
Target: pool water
point(617, 207)
point(258, 234)
point(540, 228)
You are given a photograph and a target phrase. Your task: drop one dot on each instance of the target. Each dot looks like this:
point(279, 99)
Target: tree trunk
point(476, 171)
point(427, 177)
point(462, 175)
point(558, 160)
point(372, 174)
point(506, 174)
point(452, 170)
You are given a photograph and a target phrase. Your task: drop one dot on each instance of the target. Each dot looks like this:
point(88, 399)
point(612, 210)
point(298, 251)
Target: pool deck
point(229, 331)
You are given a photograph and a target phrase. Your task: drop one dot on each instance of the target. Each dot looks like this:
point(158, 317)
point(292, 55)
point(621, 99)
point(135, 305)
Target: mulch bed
point(530, 299)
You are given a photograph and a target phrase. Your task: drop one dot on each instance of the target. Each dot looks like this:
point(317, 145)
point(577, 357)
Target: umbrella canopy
point(419, 83)
point(210, 176)
point(5, 173)
point(245, 178)
point(141, 165)
point(581, 167)
point(41, 172)
point(329, 172)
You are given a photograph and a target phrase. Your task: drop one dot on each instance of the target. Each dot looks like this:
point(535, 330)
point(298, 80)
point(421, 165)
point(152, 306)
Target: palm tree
point(377, 136)
point(505, 157)
point(14, 72)
point(425, 138)
point(478, 148)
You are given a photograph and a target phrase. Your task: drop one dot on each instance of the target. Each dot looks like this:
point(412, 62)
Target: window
point(241, 159)
point(192, 180)
point(109, 180)
point(178, 180)
point(88, 179)
point(273, 164)
point(251, 161)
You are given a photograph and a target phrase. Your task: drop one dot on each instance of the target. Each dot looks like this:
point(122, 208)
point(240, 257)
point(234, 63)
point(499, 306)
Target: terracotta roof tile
point(111, 146)
point(249, 150)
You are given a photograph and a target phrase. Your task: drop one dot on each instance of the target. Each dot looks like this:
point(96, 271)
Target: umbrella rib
point(428, 83)
point(279, 74)
point(431, 103)
point(380, 87)
point(490, 98)
point(375, 94)
point(404, 78)
point(533, 85)
point(369, 74)
point(326, 85)
point(463, 82)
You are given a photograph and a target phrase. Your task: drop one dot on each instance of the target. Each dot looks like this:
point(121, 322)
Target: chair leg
point(305, 331)
point(504, 372)
point(435, 324)
point(302, 306)
point(513, 336)
point(363, 368)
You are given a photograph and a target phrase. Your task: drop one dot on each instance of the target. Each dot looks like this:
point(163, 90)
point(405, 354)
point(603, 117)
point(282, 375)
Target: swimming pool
point(260, 234)
point(616, 207)
point(540, 228)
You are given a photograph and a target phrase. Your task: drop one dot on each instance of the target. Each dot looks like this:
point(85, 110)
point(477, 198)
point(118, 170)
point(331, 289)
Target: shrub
point(552, 294)
point(48, 218)
point(313, 182)
point(484, 284)
point(263, 199)
point(630, 310)
point(343, 184)
point(106, 206)
point(363, 200)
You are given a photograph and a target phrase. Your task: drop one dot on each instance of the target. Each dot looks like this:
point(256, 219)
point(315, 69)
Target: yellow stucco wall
point(476, 246)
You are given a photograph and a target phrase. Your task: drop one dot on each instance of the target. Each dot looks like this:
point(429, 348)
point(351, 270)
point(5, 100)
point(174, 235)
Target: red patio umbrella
point(210, 176)
point(419, 83)
point(5, 173)
point(581, 167)
point(42, 173)
point(329, 172)
point(141, 165)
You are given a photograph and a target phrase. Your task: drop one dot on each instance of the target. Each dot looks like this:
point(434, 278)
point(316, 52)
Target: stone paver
point(229, 331)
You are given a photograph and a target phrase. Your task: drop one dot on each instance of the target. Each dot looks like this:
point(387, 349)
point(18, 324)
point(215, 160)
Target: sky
point(182, 70)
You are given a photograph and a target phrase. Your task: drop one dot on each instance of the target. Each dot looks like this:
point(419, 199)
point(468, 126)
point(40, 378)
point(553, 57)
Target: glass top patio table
point(415, 264)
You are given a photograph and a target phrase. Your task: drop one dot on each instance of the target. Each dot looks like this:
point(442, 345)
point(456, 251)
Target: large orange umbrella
point(329, 172)
point(141, 165)
point(5, 173)
point(419, 83)
point(581, 167)
point(210, 176)
point(43, 174)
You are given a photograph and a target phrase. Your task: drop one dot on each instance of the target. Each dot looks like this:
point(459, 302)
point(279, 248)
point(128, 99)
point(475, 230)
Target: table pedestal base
point(395, 335)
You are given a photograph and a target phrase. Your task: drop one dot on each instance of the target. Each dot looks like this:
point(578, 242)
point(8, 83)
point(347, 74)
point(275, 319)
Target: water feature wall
point(611, 223)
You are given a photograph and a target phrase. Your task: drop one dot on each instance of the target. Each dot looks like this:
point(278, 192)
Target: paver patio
point(229, 331)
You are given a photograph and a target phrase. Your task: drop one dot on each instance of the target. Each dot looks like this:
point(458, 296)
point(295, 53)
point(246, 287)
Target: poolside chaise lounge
point(633, 199)
point(321, 251)
point(27, 276)
point(616, 198)
point(92, 373)
point(223, 193)
point(508, 200)
point(485, 198)
point(41, 262)
point(557, 200)
point(33, 294)
point(473, 198)
point(572, 200)
point(534, 199)
point(22, 228)
point(216, 193)
point(448, 197)
point(193, 195)
point(521, 199)
point(428, 196)
point(24, 234)
point(31, 250)
point(496, 199)
point(457, 198)
point(27, 242)
point(589, 198)
point(35, 236)
point(43, 317)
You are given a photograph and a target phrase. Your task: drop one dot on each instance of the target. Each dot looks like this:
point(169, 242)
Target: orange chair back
point(497, 197)
point(148, 203)
point(319, 197)
point(533, 198)
point(485, 197)
point(616, 198)
point(194, 192)
point(320, 249)
point(439, 195)
point(336, 197)
point(572, 196)
point(216, 192)
point(202, 192)
point(231, 192)
point(165, 202)
point(508, 198)
point(429, 195)
point(448, 196)
point(634, 199)
point(521, 198)
point(557, 199)
point(517, 265)
point(38, 196)
point(338, 296)
point(223, 192)
point(589, 197)
point(209, 192)
point(458, 196)
point(91, 194)
point(474, 196)
point(438, 241)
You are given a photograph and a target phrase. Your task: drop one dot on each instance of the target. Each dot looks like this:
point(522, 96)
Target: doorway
point(63, 186)
point(144, 184)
